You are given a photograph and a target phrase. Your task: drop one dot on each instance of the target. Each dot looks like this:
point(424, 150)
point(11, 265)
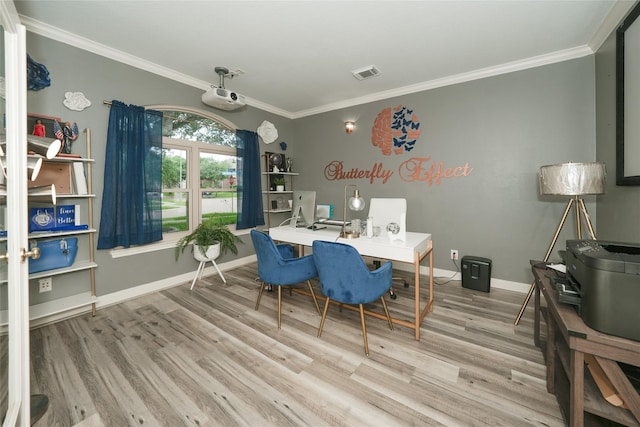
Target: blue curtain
point(250, 212)
point(131, 199)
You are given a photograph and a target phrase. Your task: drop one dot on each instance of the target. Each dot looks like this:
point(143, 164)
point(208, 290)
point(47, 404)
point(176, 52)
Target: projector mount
point(224, 72)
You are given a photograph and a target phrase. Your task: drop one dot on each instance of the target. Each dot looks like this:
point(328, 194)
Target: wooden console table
point(568, 340)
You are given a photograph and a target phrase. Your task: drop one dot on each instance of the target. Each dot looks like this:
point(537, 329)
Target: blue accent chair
point(278, 267)
point(345, 278)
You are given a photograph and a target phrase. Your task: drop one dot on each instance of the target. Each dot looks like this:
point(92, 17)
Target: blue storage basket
point(54, 254)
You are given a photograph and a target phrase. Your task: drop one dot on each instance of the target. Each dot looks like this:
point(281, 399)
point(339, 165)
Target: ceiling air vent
point(366, 72)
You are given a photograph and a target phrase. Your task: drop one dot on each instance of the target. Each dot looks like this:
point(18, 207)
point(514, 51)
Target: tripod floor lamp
point(575, 180)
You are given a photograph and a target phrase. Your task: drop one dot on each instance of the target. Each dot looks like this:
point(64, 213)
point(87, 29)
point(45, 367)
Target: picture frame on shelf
point(46, 121)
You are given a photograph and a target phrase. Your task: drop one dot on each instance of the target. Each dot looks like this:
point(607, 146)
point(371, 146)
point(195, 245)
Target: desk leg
point(418, 319)
point(576, 411)
point(429, 305)
point(536, 317)
point(551, 355)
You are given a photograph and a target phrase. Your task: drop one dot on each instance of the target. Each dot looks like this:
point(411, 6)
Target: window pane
point(175, 211)
point(218, 187)
point(174, 168)
point(193, 127)
point(175, 204)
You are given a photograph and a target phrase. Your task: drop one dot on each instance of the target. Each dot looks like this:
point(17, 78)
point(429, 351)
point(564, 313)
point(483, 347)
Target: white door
point(16, 309)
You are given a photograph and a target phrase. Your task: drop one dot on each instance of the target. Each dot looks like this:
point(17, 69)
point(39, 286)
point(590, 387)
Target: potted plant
point(279, 182)
point(211, 239)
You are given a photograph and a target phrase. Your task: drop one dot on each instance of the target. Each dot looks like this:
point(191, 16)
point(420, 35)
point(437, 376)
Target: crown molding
point(510, 67)
point(60, 35)
point(609, 24)
point(55, 33)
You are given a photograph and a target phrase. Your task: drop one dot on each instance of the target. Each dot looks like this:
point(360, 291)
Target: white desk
point(413, 251)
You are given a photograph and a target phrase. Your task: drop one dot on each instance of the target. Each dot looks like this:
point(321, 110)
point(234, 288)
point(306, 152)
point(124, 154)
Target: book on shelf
point(79, 179)
point(55, 218)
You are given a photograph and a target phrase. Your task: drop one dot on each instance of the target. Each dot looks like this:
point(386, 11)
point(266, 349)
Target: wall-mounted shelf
point(280, 198)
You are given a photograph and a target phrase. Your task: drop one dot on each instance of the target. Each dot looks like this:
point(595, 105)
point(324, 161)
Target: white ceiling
point(298, 55)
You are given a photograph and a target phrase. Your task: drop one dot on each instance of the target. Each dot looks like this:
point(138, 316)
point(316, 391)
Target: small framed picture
point(39, 125)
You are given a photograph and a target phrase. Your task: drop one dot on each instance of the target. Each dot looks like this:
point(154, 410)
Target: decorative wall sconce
point(349, 126)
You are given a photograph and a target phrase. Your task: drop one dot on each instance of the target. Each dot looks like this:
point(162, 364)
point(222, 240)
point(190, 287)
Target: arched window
point(198, 169)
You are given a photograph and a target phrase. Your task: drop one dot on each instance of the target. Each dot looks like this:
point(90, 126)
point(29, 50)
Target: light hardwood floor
point(207, 358)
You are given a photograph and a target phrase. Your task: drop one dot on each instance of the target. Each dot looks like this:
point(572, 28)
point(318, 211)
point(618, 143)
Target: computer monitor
point(303, 208)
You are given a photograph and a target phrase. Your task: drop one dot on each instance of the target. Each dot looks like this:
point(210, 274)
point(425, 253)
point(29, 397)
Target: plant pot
point(279, 187)
point(212, 253)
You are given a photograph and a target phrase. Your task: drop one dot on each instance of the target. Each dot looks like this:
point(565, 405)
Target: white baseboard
point(46, 312)
point(169, 282)
point(159, 285)
point(452, 275)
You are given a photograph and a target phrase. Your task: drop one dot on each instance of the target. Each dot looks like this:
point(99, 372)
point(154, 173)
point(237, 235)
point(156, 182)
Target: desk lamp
point(356, 203)
point(570, 179)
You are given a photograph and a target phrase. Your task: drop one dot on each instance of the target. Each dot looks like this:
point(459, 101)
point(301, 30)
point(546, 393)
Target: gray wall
point(504, 127)
point(619, 208)
point(72, 69)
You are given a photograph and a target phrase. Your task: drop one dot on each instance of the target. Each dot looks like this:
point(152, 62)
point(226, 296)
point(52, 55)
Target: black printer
point(608, 278)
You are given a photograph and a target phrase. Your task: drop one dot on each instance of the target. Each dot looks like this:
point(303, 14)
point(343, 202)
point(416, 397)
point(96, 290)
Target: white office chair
point(384, 211)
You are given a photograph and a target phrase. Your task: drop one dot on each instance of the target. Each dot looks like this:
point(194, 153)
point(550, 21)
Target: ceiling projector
point(219, 97)
point(223, 99)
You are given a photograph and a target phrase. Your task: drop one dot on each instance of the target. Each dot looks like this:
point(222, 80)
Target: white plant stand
point(212, 253)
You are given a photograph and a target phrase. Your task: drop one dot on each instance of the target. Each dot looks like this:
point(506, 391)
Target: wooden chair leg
point(324, 315)
point(364, 331)
point(279, 306)
point(313, 294)
point(260, 294)
point(386, 311)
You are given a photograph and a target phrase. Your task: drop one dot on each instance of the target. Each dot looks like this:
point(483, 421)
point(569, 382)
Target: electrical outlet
point(45, 284)
point(454, 254)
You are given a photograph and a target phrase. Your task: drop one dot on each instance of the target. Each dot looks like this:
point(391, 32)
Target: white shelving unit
point(85, 262)
point(275, 202)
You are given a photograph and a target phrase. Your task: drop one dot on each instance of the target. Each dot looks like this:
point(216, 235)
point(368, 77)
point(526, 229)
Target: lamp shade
point(573, 179)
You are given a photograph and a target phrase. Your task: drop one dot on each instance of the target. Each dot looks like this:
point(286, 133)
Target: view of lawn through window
point(199, 171)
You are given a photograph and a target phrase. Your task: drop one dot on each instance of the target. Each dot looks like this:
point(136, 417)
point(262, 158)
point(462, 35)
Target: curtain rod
point(108, 103)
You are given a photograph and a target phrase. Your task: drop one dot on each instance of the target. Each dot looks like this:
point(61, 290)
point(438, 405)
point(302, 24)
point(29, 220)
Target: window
point(198, 170)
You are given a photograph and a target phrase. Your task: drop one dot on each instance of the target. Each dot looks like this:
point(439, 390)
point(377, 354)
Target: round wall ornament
point(268, 132)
